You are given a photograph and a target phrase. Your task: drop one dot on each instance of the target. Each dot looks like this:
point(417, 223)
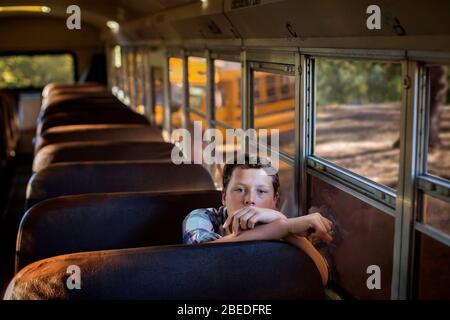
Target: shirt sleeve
point(200, 226)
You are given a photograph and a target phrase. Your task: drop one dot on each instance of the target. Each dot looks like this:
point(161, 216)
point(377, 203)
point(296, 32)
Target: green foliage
point(25, 71)
point(357, 82)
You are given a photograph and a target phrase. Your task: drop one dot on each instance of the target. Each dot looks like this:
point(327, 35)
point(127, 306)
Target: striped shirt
point(203, 225)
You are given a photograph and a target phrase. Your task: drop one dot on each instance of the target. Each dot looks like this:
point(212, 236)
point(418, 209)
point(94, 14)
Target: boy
point(249, 212)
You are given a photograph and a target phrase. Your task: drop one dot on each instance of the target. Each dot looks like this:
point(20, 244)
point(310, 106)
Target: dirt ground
point(362, 138)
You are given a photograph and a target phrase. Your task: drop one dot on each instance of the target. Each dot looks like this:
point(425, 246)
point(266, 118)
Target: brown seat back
point(241, 270)
point(98, 132)
point(71, 87)
point(101, 151)
point(101, 177)
point(106, 221)
point(94, 116)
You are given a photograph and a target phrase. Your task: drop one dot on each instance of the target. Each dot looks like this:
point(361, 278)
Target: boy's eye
point(240, 189)
point(262, 191)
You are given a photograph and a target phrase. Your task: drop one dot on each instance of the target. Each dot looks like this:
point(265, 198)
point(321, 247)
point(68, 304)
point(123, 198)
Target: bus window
point(287, 190)
point(275, 109)
point(434, 207)
point(176, 90)
point(358, 116)
point(256, 95)
point(159, 94)
point(117, 56)
point(270, 87)
point(436, 213)
point(130, 93)
point(438, 121)
point(227, 96)
point(197, 83)
point(115, 69)
point(140, 108)
point(35, 71)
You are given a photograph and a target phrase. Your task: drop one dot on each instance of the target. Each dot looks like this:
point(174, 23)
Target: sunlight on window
point(35, 71)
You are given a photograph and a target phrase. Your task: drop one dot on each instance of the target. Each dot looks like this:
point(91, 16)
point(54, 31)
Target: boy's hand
point(247, 217)
point(314, 226)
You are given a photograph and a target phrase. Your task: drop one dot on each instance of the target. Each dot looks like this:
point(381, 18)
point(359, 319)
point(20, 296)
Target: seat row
point(106, 198)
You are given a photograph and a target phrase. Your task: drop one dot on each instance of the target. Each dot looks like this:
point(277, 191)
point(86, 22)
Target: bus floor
point(13, 208)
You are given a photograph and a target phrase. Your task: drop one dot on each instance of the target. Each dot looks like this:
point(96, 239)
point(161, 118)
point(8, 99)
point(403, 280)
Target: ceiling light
point(113, 25)
point(16, 9)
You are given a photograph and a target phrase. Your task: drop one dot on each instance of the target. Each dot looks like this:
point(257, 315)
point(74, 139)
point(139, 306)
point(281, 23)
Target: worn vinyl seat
point(106, 221)
point(101, 151)
point(77, 87)
point(241, 270)
point(93, 90)
point(62, 97)
point(94, 116)
point(98, 132)
point(81, 104)
point(122, 176)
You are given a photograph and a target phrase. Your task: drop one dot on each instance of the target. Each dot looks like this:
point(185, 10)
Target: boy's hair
point(248, 163)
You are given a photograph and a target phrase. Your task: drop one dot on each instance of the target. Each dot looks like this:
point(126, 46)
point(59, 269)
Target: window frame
point(377, 194)
point(412, 178)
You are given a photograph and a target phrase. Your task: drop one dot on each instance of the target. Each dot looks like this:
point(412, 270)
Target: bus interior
point(92, 92)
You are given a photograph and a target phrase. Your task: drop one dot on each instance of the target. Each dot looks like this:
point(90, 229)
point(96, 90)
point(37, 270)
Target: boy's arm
point(312, 252)
point(277, 230)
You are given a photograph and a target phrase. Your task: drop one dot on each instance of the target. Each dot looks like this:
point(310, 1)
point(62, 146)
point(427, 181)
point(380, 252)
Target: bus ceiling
point(402, 24)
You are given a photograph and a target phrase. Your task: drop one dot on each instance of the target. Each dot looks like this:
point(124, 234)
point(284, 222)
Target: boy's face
point(249, 187)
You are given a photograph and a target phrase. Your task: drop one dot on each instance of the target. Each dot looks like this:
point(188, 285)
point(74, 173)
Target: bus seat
point(72, 87)
point(122, 176)
point(80, 104)
point(77, 90)
point(241, 270)
point(65, 97)
point(95, 116)
point(101, 151)
point(98, 132)
point(104, 108)
point(106, 221)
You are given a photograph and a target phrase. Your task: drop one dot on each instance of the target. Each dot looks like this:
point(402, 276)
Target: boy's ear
point(277, 199)
point(223, 197)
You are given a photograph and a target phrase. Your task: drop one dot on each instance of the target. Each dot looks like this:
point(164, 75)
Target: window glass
point(287, 190)
point(140, 82)
point(275, 107)
point(436, 213)
point(35, 71)
point(197, 83)
point(438, 121)
point(227, 95)
point(176, 90)
point(159, 95)
point(358, 116)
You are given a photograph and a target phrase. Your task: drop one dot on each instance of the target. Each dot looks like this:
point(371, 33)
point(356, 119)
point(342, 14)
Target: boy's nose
point(249, 203)
point(249, 200)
